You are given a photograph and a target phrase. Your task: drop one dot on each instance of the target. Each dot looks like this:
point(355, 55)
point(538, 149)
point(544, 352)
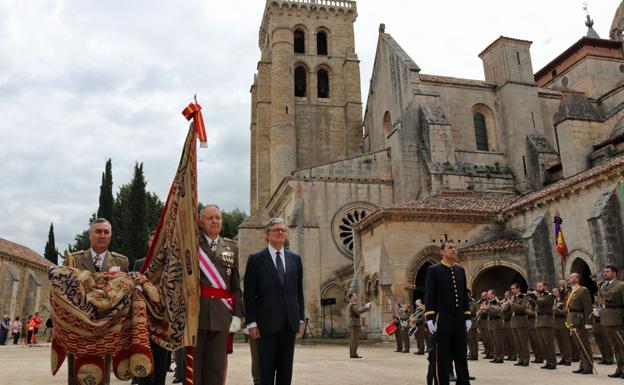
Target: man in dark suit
point(274, 304)
point(447, 311)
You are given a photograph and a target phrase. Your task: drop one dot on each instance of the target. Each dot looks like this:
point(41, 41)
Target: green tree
point(231, 221)
point(81, 240)
point(134, 241)
point(51, 252)
point(153, 210)
point(105, 210)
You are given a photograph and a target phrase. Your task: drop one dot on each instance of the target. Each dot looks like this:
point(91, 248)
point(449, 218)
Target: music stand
point(328, 302)
point(306, 330)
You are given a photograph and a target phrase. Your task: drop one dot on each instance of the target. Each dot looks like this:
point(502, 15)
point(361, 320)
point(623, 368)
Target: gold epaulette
point(116, 254)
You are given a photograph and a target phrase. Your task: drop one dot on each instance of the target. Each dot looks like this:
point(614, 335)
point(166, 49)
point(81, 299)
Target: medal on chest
point(227, 259)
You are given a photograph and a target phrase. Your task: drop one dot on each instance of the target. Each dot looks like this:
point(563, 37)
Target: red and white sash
point(211, 272)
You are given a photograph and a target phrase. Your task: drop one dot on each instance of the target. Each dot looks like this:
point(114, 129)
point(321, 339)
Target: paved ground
point(316, 365)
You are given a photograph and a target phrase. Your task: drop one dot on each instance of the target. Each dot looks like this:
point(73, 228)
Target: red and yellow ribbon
point(193, 111)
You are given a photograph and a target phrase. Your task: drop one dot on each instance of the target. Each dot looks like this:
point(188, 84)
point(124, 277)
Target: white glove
point(468, 324)
point(588, 327)
point(432, 326)
point(235, 325)
point(596, 312)
point(114, 269)
point(368, 305)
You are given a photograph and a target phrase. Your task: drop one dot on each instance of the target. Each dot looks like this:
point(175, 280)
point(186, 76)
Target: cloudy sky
point(84, 81)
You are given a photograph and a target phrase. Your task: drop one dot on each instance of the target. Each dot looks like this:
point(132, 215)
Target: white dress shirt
point(216, 240)
point(273, 253)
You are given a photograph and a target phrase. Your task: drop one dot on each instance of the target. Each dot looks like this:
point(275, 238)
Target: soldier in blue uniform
point(447, 311)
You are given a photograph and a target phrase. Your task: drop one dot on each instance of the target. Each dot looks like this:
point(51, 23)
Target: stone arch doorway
point(497, 277)
point(334, 316)
point(581, 267)
point(416, 274)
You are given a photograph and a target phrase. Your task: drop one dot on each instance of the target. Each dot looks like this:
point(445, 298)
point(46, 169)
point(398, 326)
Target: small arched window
point(323, 83)
point(299, 41)
point(481, 135)
point(301, 82)
point(387, 122)
point(321, 43)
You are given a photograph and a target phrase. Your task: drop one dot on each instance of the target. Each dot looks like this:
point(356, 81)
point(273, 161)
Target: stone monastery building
point(370, 191)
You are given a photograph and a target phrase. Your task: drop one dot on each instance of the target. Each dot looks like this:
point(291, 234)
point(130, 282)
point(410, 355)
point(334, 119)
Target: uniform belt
point(214, 292)
point(542, 314)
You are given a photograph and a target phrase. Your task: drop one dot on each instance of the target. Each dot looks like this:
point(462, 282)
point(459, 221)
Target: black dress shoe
point(579, 370)
point(519, 363)
point(355, 357)
point(510, 358)
point(525, 364)
point(582, 371)
point(177, 381)
point(498, 361)
point(549, 367)
point(473, 358)
point(419, 353)
point(471, 378)
point(615, 375)
point(536, 361)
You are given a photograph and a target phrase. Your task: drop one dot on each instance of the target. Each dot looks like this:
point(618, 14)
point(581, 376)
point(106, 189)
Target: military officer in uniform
point(473, 333)
point(578, 310)
point(510, 348)
point(495, 327)
point(421, 333)
point(534, 341)
point(354, 323)
point(220, 286)
point(404, 314)
point(483, 329)
point(96, 259)
point(544, 324)
point(447, 311)
point(519, 324)
point(562, 334)
point(611, 293)
point(606, 352)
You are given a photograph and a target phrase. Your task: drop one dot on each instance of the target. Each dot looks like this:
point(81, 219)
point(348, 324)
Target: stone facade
point(23, 281)
point(488, 163)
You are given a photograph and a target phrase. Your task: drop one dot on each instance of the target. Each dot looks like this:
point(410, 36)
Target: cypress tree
point(105, 210)
point(51, 252)
point(134, 239)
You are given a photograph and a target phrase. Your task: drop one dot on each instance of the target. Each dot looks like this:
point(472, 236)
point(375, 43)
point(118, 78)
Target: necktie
point(97, 261)
point(280, 268)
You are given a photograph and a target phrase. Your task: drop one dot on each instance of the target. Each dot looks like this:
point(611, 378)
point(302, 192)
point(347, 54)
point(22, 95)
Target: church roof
point(563, 184)
point(455, 81)
point(23, 253)
point(584, 47)
point(481, 202)
point(495, 245)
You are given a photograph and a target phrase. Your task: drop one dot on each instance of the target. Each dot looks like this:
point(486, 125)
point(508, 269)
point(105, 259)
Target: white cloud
point(84, 81)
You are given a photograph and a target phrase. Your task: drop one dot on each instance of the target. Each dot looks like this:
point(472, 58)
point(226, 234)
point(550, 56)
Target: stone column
point(282, 137)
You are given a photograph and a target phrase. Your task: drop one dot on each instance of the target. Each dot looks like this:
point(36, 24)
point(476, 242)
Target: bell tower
point(306, 99)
